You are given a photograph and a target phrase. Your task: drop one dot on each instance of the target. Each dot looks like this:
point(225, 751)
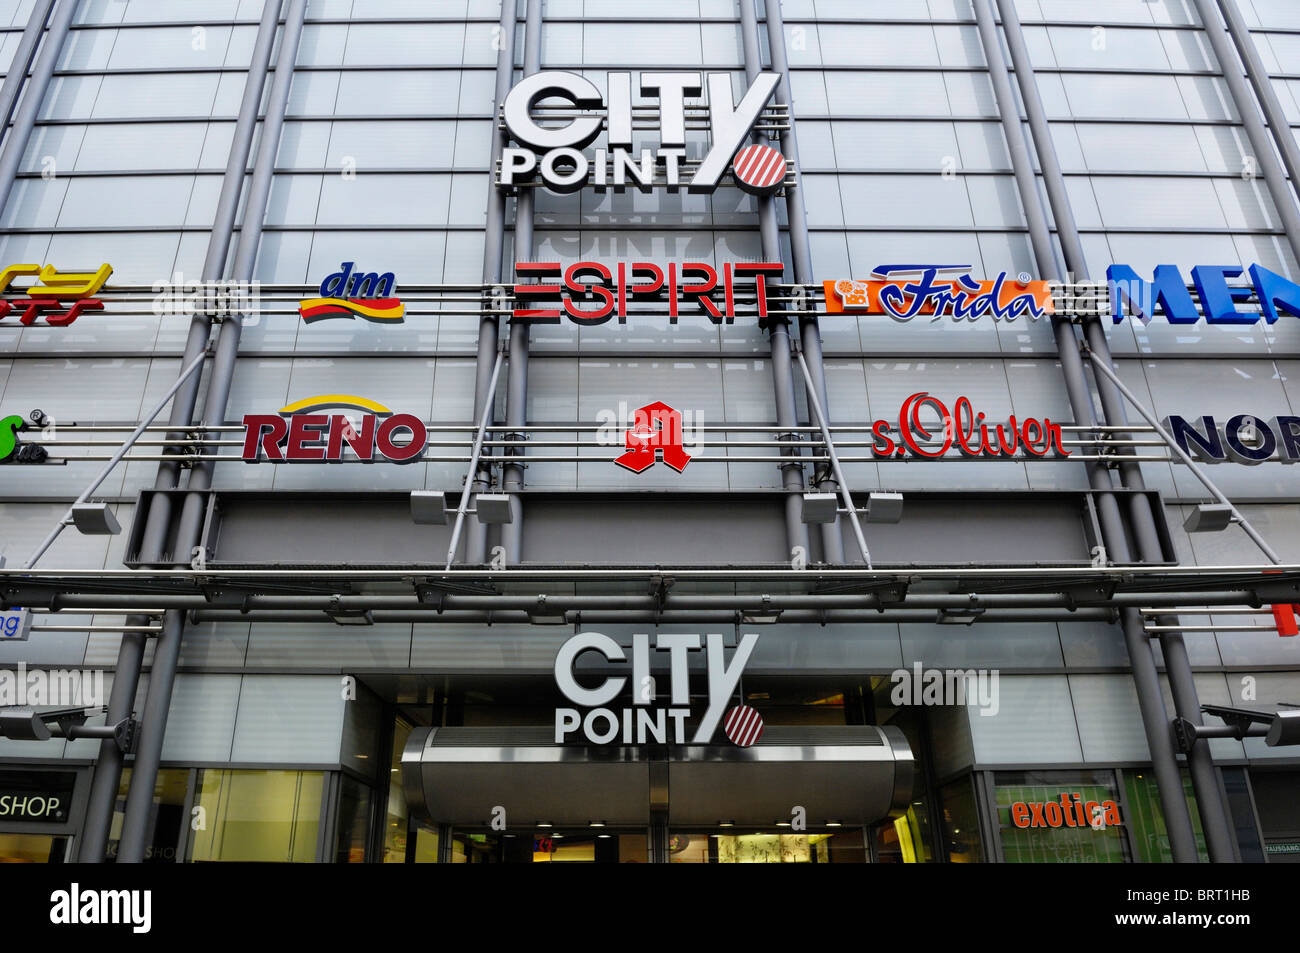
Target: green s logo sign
point(9, 427)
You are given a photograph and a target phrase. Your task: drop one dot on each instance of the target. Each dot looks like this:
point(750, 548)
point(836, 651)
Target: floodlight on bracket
point(343, 616)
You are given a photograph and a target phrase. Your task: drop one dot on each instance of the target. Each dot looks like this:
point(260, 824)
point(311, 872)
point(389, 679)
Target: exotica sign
point(1071, 811)
point(554, 148)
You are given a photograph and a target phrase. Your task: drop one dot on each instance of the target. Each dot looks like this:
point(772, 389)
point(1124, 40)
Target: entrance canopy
point(837, 774)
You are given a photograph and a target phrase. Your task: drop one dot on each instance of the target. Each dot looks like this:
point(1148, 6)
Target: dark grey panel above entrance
point(846, 775)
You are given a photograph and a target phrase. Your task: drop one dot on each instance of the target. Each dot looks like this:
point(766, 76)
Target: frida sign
point(641, 723)
point(905, 291)
point(299, 434)
point(554, 149)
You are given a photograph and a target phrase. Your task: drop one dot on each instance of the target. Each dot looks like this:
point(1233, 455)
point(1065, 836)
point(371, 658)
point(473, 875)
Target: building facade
point(672, 559)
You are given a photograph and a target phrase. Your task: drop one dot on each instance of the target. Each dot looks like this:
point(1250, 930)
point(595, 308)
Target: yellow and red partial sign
point(918, 289)
point(379, 310)
point(60, 297)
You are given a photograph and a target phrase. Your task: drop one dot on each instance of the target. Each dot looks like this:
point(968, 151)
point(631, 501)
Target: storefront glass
point(165, 818)
point(1147, 820)
point(32, 849)
point(268, 816)
point(1060, 817)
point(768, 847)
point(353, 821)
point(961, 822)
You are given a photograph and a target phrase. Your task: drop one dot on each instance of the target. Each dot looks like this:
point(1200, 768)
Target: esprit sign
point(591, 292)
point(1242, 438)
point(639, 723)
point(1071, 811)
point(554, 147)
point(301, 434)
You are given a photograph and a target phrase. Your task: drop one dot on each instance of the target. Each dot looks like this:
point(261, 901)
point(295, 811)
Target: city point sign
point(556, 150)
point(642, 723)
point(904, 292)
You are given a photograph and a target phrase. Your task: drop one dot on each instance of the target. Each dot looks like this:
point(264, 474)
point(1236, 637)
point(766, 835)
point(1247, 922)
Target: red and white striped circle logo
point(759, 169)
point(743, 725)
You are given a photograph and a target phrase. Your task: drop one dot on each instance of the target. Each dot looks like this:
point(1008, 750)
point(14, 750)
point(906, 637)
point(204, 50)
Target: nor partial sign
point(591, 293)
point(1242, 438)
point(642, 722)
point(300, 433)
point(355, 294)
point(555, 149)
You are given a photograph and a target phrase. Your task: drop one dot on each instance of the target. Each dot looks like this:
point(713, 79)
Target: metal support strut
point(815, 404)
point(473, 462)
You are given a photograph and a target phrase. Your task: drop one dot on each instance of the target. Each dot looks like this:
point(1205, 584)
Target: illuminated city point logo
point(555, 149)
point(1071, 811)
point(355, 294)
point(590, 293)
point(298, 434)
point(642, 723)
point(59, 297)
point(905, 291)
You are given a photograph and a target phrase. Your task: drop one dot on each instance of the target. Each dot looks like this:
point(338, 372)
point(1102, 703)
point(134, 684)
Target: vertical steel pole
point(1155, 719)
point(1278, 124)
point(480, 479)
point(512, 533)
point(1260, 140)
point(1141, 518)
point(22, 61)
point(154, 723)
point(801, 254)
point(126, 675)
point(15, 143)
point(787, 415)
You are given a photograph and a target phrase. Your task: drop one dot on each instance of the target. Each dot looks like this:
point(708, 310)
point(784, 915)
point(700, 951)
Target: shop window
point(1147, 819)
point(1060, 817)
point(1279, 816)
point(961, 829)
point(32, 849)
point(353, 821)
point(396, 817)
point(268, 816)
point(165, 817)
point(768, 847)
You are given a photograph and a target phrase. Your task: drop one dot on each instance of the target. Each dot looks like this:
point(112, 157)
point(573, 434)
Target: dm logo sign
point(355, 294)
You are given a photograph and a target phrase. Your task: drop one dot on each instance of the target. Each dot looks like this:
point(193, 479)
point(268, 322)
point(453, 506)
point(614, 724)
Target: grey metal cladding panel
point(1017, 529)
point(660, 530)
point(350, 529)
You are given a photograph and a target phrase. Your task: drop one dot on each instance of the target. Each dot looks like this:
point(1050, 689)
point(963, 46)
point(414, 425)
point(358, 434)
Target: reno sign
point(551, 140)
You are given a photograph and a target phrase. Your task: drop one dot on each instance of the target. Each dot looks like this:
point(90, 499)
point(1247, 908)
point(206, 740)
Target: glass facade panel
point(263, 816)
